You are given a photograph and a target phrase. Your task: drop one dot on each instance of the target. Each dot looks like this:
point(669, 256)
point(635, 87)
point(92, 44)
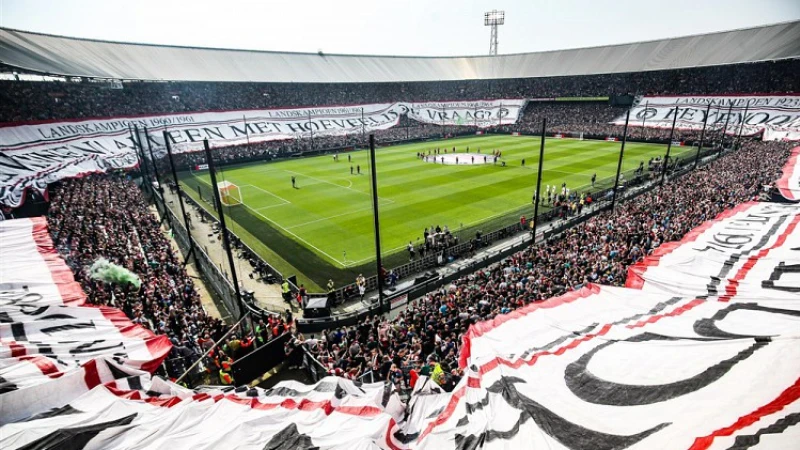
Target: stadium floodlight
point(493, 19)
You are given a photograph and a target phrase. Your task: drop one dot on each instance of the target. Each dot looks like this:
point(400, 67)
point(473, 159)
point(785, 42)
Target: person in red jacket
point(413, 376)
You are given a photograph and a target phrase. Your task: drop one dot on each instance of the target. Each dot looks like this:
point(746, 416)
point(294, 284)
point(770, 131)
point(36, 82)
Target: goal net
point(229, 193)
point(569, 135)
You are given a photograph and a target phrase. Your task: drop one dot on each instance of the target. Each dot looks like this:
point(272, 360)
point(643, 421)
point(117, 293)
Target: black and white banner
point(699, 351)
point(607, 367)
point(750, 251)
point(777, 116)
point(52, 348)
point(601, 367)
point(33, 155)
point(333, 414)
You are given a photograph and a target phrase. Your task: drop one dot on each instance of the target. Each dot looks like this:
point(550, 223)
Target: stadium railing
point(238, 243)
point(316, 371)
point(216, 279)
point(260, 360)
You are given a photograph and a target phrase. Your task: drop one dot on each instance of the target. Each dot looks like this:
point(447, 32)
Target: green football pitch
point(323, 228)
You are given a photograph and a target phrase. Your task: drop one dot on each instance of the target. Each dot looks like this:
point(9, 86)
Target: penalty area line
point(284, 229)
point(369, 208)
point(298, 237)
point(339, 185)
point(267, 192)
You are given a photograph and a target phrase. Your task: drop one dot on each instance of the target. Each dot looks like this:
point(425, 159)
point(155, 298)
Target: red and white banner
point(334, 414)
point(611, 139)
point(558, 136)
point(33, 155)
point(48, 338)
point(707, 346)
point(789, 183)
point(776, 116)
point(674, 364)
point(749, 252)
point(607, 367)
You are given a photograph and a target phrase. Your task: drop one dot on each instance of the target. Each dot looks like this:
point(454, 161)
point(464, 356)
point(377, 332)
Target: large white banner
point(608, 367)
point(749, 251)
point(777, 116)
point(335, 414)
point(48, 340)
point(33, 155)
point(601, 368)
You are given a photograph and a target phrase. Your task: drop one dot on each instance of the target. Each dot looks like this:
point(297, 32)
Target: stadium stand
point(86, 99)
point(336, 411)
point(107, 216)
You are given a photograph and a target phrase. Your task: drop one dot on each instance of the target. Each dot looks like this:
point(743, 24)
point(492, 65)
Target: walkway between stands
point(205, 296)
point(267, 296)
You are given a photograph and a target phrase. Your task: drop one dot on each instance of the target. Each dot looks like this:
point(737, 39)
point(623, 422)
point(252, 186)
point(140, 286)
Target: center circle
point(461, 159)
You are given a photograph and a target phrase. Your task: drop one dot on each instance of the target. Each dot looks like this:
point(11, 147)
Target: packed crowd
point(425, 338)
point(570, 118)
point(265, 151)
point(26, 100)
point(593, 120)
point(107, 216)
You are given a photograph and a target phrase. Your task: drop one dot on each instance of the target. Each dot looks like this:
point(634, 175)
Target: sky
point(389, 27)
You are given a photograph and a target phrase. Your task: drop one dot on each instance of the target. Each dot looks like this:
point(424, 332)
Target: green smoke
point(109, 272)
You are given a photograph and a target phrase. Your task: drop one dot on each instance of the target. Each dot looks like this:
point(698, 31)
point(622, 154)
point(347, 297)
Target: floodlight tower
point(492, 19)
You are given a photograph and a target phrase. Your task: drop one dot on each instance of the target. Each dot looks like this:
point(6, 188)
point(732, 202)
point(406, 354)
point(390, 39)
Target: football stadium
point(579, 247)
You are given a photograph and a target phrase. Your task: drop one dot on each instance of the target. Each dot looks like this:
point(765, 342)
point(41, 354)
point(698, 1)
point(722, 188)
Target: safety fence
point(316, 371)
point(268, 272)
point(468, 243)
point(261, 360)
point(213, 274)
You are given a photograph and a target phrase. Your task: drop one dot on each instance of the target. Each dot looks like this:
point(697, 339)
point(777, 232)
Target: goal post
point(229, 193)
point(569, 135)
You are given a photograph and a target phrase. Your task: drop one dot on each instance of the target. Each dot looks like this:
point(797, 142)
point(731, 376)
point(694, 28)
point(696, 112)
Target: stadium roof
point(102, 59)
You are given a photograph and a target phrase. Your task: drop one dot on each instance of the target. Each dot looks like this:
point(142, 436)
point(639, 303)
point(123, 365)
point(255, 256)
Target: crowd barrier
point(316, 371)
point(217, 280)
point(260, 360)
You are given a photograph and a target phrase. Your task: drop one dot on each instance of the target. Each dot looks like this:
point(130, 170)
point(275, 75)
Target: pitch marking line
point(337, 185)
point(284, 229)
point(296, 236)
point(271, 206)
point(285, 202)
point(329, 217)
